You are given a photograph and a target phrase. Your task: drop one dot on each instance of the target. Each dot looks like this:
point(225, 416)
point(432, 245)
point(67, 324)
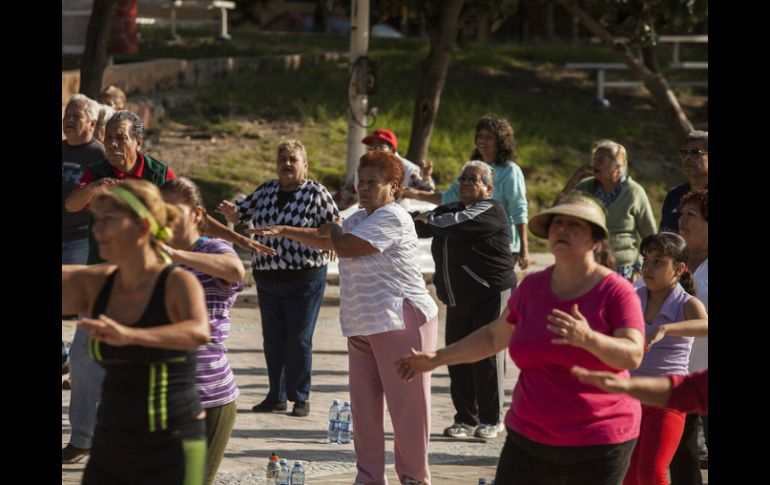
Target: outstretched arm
point(214, 228)
point(484, 342)
point(185, 305)
point(309, 236)
point(225, 266)
point(654, 391)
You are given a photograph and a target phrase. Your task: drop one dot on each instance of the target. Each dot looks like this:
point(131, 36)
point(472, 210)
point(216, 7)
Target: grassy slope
point(550, 110)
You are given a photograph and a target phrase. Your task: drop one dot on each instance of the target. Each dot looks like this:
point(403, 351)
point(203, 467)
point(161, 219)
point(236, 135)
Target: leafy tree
point(622, 24)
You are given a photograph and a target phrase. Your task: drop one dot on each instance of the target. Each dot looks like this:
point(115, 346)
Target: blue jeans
point(73, 252)
point(289, 310)
point(87, 377)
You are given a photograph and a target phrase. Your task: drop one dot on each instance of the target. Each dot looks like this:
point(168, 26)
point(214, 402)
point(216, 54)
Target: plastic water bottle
point(273, 468)
point(333, 433)
point(482, 481)
point(345, 423)
point(297, 474)
point(283, 476)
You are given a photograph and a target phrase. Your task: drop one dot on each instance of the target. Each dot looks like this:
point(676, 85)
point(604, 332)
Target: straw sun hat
point(574, 204)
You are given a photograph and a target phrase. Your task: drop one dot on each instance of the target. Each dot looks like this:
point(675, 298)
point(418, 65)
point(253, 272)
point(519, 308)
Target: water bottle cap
point(347, 403)
point(297, 463)
point(283, 460)
point(273, 457)
point(336, 401)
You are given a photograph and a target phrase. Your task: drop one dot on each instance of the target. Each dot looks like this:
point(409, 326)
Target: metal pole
point(359, 45)
point(224, 35)
point(600, 84)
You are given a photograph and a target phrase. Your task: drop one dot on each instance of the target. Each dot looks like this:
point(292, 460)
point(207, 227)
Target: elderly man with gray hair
point(695, 166)
point(474, 275)
point(80, 150)
point(123, 138)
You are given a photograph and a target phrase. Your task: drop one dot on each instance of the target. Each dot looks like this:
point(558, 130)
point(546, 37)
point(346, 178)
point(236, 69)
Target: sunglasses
point(692, 151)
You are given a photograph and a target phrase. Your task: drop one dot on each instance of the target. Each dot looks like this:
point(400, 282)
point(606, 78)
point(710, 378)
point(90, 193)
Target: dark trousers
point(289, 311)
point(524, 462)
point(685, 466)
point(474, 387)
point(170, 459)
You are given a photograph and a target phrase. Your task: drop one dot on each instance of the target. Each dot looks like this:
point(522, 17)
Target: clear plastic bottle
point(273, 468)
point(346, 419)
point(283, 476)
point(332, 435)
point(297, 474)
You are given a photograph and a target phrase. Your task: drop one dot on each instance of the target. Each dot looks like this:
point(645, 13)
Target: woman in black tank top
point(147, 319)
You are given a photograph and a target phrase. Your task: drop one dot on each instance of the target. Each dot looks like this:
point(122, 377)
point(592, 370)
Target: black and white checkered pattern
point(311, 206)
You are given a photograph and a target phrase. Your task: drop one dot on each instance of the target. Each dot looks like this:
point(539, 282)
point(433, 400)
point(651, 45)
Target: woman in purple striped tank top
point(672, 318)
point(220, 271)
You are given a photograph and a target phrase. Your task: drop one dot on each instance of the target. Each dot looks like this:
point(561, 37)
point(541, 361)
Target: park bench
point(181, 5)
point(602, 67)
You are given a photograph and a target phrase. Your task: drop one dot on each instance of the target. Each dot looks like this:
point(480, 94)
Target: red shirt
point(690, 393)
point(549, 405)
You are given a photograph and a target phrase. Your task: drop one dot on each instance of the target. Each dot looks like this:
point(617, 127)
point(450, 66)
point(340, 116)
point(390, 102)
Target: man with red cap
point(415, 176)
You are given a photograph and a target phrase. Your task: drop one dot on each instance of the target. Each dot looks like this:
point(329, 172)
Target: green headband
point(161, 233)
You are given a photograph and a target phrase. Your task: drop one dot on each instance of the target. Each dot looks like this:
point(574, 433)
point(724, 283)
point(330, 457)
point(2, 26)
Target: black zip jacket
point(471, 249)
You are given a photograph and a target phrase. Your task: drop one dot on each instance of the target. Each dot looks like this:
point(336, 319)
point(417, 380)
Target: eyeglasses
point(472, 180)
point(695, 152)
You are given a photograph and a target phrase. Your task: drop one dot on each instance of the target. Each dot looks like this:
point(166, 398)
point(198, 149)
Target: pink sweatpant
point(372, 378)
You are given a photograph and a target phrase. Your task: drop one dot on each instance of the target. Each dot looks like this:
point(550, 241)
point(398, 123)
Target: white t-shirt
point(373, 287)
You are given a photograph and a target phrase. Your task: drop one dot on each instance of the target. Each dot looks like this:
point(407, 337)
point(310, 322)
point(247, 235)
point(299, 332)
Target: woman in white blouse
point(385, 311)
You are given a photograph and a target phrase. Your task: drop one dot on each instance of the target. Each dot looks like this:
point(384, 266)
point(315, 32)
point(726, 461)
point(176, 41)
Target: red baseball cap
point(384, 135)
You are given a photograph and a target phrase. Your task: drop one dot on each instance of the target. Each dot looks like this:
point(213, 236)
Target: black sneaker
point(268, 406)
point(72, 454)
point(301, 408)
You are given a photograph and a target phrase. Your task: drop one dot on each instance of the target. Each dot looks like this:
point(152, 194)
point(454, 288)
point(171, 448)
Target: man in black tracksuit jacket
point(474, 266)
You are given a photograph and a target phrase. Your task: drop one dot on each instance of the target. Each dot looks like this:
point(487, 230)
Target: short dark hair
point(137, 123)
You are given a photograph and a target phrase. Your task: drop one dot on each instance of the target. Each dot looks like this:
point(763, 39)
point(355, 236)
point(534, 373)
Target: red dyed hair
point(389, 164)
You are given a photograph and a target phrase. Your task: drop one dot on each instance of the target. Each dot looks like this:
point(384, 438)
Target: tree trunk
point(663, 97)
point(650, 58)
point(444, 22)
point(321, 16)
point(94, 58)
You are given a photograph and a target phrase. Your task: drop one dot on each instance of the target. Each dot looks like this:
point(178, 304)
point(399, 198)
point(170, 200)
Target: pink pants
point(659, 437)
point(373, 381)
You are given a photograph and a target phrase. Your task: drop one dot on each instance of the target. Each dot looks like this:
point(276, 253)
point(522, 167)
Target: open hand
point(573, 329)
point(604, 380)
point(409, 366)
point(104, 329)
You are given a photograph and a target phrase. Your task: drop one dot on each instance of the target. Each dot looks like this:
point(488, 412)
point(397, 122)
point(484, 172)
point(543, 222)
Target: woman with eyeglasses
point(495, 145)
point(474, 268)
point(629, 213)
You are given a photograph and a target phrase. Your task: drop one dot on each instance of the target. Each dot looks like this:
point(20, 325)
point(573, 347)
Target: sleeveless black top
point(146, 390)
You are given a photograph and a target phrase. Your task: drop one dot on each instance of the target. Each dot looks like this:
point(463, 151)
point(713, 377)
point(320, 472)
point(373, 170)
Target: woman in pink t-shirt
point(576, 312)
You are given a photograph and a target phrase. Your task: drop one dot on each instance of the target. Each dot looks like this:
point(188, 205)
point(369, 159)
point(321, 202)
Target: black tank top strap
point(155, 313)
point(100, 305)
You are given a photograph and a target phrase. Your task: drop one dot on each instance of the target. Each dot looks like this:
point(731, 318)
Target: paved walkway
point(257, 435)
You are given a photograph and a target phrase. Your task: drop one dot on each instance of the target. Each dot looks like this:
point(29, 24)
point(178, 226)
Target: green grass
point(553, 119)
